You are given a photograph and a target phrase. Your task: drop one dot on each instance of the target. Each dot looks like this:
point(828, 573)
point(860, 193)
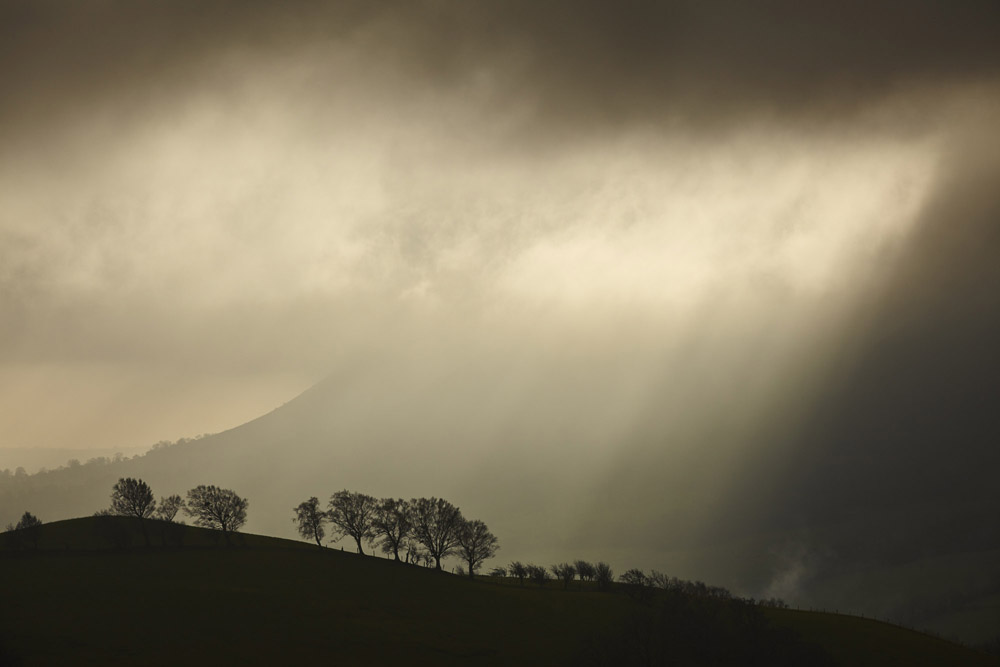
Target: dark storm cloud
point(911, 422)
point(592, 63)
point(652, 62)
point(893, 463)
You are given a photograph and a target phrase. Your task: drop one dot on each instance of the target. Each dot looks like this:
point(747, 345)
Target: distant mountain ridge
point(33, 459)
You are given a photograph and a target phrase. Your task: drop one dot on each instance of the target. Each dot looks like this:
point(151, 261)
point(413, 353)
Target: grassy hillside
point(268, 601)
point(852, 640)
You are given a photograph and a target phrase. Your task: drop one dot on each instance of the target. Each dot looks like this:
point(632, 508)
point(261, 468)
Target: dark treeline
point(209, 507)
point(586, 576)
point(417, 531)
point(421, 531)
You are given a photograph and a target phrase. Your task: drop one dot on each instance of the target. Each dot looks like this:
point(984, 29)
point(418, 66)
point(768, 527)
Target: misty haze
point(699, 292)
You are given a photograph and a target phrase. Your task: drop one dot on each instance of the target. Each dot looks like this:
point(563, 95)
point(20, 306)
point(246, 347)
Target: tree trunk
point(437, 563)
point(471, 576)
point(360, 550)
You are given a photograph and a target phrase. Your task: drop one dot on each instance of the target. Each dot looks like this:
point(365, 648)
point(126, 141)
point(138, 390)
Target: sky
point(730, 263)
point(206, 206)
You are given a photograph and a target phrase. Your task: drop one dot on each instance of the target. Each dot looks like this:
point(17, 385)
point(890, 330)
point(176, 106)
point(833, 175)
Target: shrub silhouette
point(538, 574)
point(603, 575)
point(637, 584)
point(519, 570)
point(27, 530)
point(564, 572)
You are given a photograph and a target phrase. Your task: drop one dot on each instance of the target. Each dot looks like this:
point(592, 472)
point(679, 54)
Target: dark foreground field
point(262, 601)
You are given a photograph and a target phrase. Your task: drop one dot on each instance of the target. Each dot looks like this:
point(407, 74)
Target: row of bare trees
point(634, 581)
point(209, 506)
point(424, 529)
point(600, 573)
point(421, 528)
point(638, 582)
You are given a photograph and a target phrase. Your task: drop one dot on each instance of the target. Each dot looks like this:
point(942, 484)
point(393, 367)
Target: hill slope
point(271, 601)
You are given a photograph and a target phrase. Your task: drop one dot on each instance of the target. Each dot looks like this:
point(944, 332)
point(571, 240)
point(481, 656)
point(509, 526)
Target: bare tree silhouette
point(435, 525)
point(352, 514)
point(476, 543)
point(133, 497)
point(391, 524)
point(217, 508)
point(309, 519)
point(168, 507)
point(413, 551)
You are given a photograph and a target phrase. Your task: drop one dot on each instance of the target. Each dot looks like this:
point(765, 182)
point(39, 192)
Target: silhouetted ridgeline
point(264, 600)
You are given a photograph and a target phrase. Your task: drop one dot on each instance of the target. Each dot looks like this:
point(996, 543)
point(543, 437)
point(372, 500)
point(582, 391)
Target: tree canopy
point(309, 520)
point(436, 523)
point(132, 497)
point(28, 520)
point(212, 507)
point(352, 512)
point(391, 524)
point(168, 507)
point(476, 543)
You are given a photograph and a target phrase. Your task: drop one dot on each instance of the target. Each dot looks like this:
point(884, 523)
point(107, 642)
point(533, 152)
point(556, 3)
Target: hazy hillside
point(33, 459)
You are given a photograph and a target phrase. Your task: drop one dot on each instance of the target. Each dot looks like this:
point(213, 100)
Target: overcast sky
point(206, 207)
